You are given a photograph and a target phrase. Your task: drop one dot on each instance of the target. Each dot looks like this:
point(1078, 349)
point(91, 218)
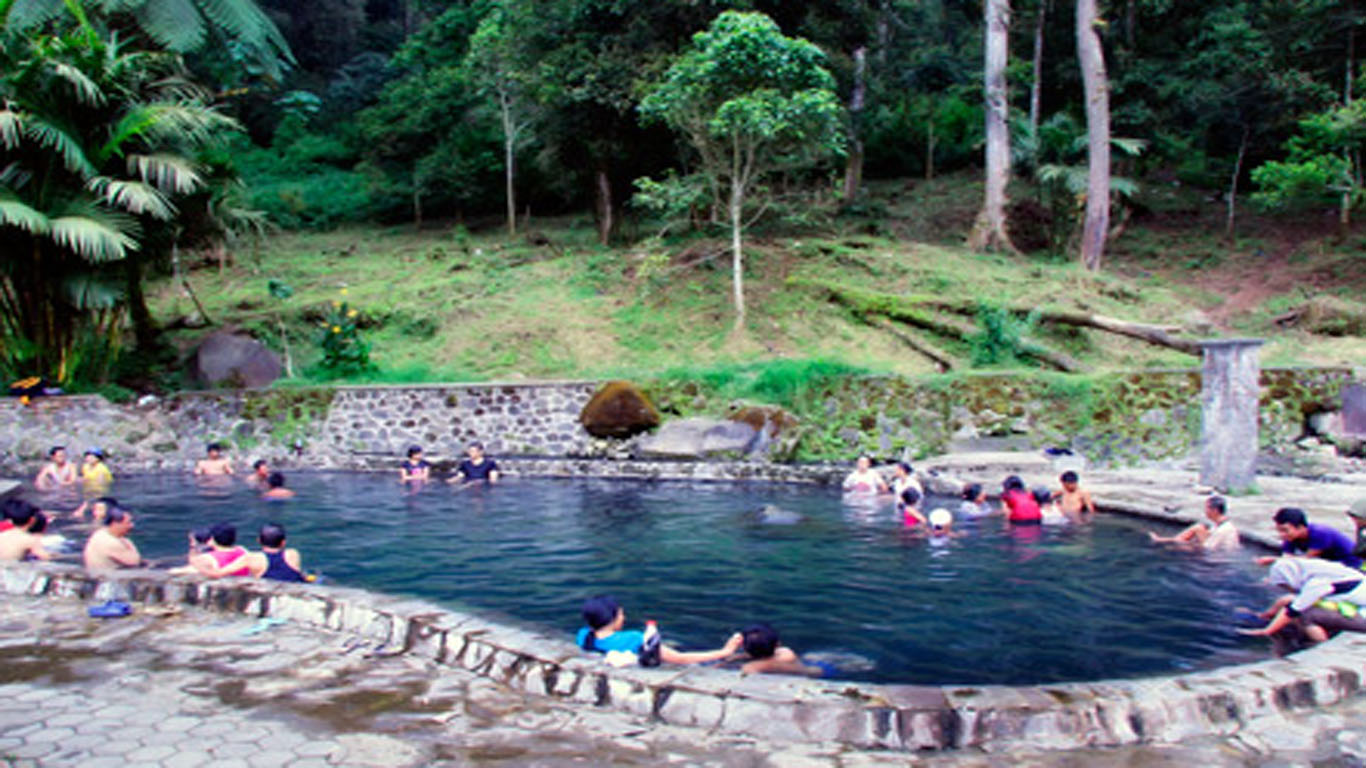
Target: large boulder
point(619, 410)
point(776, 428)
point(697, 439)
point(227, 359)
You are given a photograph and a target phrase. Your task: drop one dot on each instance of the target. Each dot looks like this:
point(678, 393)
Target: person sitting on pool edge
point(414, 469)
point(1218, 535)
point(109, 546)
point(1327, 598)
point(769, 657)
point(864, 479)
point(476, 467)
point(275, 561)
point(214, 463)
point(605, 618)
point(276, 490)
point(224, 558)
point(1301, 537)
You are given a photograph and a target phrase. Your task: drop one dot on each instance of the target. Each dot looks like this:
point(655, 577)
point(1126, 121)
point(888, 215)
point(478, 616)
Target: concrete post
point(1229, 398)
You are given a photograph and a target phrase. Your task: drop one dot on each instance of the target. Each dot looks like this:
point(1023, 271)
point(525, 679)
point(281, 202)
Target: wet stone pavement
point(193, 688)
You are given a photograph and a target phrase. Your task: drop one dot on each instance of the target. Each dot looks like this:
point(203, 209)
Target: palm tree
point(98, 142)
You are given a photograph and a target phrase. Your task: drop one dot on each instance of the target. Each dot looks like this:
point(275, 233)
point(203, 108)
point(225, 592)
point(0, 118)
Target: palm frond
point(93, 239)
point(169, 173)
point(65, 144)
point(245, 21)
point(87, 90)
point(87, 290)
point(135, 197)
point(176, 24)
point(14, 213)
point(181, 121)
point(27, 14)
point(1131, 147)
point(11, 126)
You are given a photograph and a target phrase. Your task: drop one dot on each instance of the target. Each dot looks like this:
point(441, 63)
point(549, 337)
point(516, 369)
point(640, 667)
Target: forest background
point(403, 190)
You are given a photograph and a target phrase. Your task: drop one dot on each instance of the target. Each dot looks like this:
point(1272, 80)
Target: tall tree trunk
point(1036, 87)
point(853, 167)
point(603, 205)
point(509, 158)
point(1233, 184)
point(144, 328)
point(990, 229)
point(737, 258)
point(929, 149)
point(1092, 59)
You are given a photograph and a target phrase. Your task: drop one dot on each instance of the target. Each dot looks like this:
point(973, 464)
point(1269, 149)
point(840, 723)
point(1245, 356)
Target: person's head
point(974, 492)
point(1013, 483)
point(1041, 495)
point(101, 506)
point(903, 469)
point(1216, 507)
point(38, 524)
point(224, 534)
point(603, 611)
point(261, 467)
point(1288, 573)
point(272, 536)
point(118, 520)
point(475, 449)
point(1291, 524)
point(760, 640)
point(941, 519)
point(276, 480)
point(414, 452)
point(201, 536)
point(214, 450)
point(19, 512)
point(1069, 480)
point(1358, 513)
point(94, 456)
point(910, 497)
point(57, 454)
point(864, 462)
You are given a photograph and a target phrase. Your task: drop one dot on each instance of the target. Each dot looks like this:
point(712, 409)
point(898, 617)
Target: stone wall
point(1111, 419)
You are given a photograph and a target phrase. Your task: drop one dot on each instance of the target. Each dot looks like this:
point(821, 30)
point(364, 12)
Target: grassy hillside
point(445, 304)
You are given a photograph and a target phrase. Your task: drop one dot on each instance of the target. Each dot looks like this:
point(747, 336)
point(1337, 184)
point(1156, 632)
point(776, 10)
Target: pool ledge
point(868, 716)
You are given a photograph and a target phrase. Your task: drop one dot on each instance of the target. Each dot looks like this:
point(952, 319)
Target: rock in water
point(698, 438)
point(771, 515)
point(226, 359)
point(618, 410)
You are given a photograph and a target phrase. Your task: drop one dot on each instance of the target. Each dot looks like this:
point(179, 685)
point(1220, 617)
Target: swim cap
point(941, 517)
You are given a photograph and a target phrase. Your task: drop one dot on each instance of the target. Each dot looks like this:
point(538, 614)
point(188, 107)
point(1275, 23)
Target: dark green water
point(847, 584)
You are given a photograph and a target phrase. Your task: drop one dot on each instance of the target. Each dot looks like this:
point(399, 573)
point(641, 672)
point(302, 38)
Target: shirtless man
point(768, 656)
point(57, 472)
point(1219, 535)
point(1073, 501)
point(260, 475)
point(21, 540)
point(275, 488)
point(215, 463)
point(109, 547)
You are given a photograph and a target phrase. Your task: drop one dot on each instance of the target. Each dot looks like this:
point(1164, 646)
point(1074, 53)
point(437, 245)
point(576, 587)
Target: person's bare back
point(17, 542)
point(109, 547)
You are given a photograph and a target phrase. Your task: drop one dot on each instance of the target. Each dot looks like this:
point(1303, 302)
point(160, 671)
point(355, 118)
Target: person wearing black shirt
point(414, 468)
point(476, 468)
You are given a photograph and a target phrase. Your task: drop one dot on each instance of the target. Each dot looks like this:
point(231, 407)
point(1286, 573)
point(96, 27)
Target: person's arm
point(209, 568)
point(1088, 503)
point(35, 547)
point(1277, 624)
point(670, 656)
point(494, 474)
point(227, 467)
point(913, 512)
point(41, 482)
point(1275, 606)
point(849, 481)
point(294, 560)
point(126, 556)
point(882, 486)
point(199, 467)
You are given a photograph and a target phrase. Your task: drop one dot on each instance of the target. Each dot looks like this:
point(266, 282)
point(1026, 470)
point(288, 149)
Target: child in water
point(1073, 500)
point(1017, 503)
point(768, 656)
point(909, 502)
point(414, 468)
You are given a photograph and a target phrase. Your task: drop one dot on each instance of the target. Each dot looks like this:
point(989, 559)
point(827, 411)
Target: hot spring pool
point(846, 584)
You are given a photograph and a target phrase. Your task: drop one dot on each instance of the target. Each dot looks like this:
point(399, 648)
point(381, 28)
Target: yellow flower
point(352, 313)
point(336, 304)
point(343, 291)
point(336, 329)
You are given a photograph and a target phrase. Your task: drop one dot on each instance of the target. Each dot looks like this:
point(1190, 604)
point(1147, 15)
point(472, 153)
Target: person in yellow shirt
point(94, 472)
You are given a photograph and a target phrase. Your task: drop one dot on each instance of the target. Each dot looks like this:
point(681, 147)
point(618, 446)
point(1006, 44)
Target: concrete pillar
point(1229, 398)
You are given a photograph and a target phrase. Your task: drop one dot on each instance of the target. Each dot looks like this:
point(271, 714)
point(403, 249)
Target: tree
point(750, 101)
point(990, 229)
point(1324, 162)
point(495, 65)
point(1096, 226)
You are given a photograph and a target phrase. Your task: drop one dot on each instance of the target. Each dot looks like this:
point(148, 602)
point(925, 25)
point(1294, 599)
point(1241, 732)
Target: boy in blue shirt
point(604, 634)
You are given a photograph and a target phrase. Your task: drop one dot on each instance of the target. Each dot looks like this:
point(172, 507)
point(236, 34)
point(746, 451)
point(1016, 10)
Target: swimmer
point(1301, 537)
point(1218, 535)
point(1048, 511)
point(476, 467)
point(277, 490)
point(903, 477)
point(864, 479)
point(909, 502)
point(275, 561)
point(941, 523)
point(57, 473)
point(1073, 500)
point(414, 469)
point(98, 508)
point(1327, 597)
point(1017, 504)
point(224, 557)
point(260, 475)
point(768, 656)
point(24, 540)
point(605, 618)
point(974, 503)
point(198, 540)
point(215, 463)
point(94, 472)
point(109, 546)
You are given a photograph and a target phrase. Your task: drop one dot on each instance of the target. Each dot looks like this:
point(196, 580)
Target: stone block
point(679, 706)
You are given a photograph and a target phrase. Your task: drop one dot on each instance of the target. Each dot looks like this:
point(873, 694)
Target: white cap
point(941, 517)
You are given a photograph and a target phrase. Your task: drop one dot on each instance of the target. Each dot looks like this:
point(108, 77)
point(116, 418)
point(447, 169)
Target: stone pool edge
point(863, 715)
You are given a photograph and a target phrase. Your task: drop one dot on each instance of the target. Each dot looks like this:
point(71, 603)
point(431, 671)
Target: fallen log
point(925, 348)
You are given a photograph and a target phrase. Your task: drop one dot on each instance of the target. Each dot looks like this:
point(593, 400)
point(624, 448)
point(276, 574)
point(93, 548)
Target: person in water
point(768, 656)
point(57, 473)
point(909, 502)
point(974, 502)
point(1219, 534)
point(214, 464)
point(903, 477)
point(94, 472)
point(414, 469)
point(1018, 504)
point(476, 467)
point(864, 479)
point(24, 540)
point(1301, 537)
point(1048, 509)
point(224, 557)
point(276, 490)
point(260, 475)
point(275, 561)
point(109, 546)
point(99, 507)
point(941, 523)
point(1074, 501)
point(1357, 514)
point(605, 618)
point(1326, 597)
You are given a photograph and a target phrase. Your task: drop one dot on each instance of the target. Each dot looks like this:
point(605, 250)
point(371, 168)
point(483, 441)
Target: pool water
point(846, 584)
